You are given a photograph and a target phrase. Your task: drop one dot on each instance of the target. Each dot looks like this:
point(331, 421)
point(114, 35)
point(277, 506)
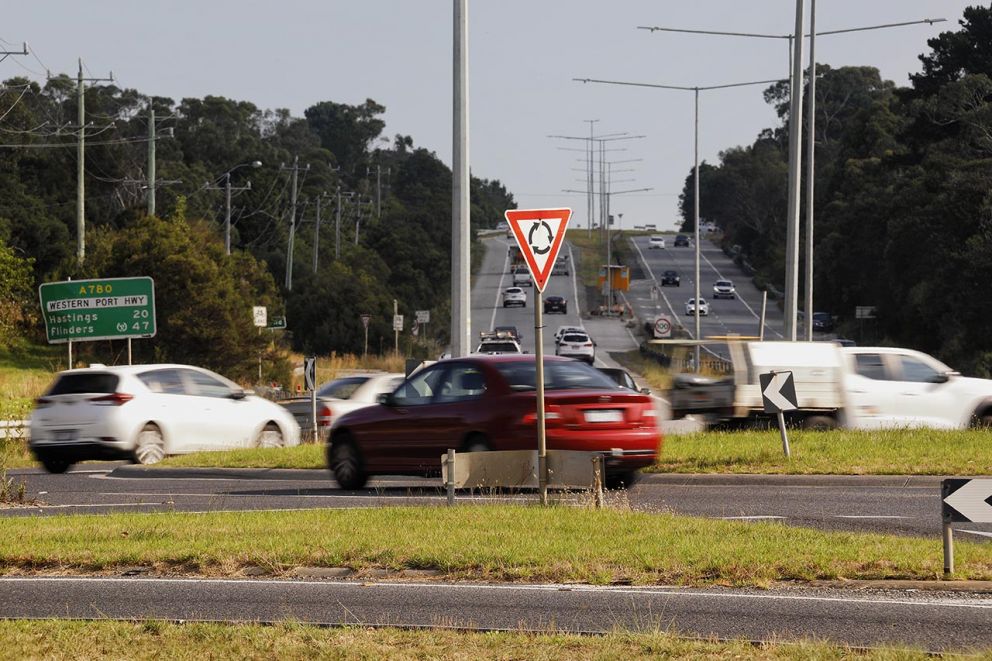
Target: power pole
point(227, 188)
point(337, 228)
point(151, 159)
point(316, 234)
point(461, 318)
point(295, 169)
point(81, 162)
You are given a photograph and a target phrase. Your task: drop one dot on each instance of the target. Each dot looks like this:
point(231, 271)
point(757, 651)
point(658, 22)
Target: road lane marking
point(499, 287)
point(976, 532)
point(869, 516)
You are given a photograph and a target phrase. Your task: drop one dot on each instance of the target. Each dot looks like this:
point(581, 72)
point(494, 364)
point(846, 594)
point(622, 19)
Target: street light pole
point(795, 146)
point(695, 170)
point(810, 148)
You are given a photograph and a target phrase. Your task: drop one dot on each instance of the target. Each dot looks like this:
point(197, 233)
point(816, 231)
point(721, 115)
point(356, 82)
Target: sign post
point(539, 234)
point(963, 500)
point(778, 393)
point(310, 379)
point(366, 318)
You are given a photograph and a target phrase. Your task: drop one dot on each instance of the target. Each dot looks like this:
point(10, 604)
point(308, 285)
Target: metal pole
point(695, 222)
point(151, 160)
point(316, 236)
point(609, 260)
point(764, 308)
point(396, 333)
point(128, 351)
point(597, 477)
point(70, 354)
point(948, 550)
point(227, 213)
point(542, 451)
point(292, 226)
point(461, 321)
point(450, 482)
point(260, 358)
point(795, 142)
point(313, 403)
point(378, 191)
point(785, 437)
point(810, 172)
point(337, 228)
point(80, 166)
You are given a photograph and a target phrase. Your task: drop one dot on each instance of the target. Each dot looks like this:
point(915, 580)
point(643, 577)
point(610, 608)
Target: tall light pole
point(461, 320)
point(795, 153)
point(810, 129)
point(227, 198)
point(591, 161)
point(695, 168)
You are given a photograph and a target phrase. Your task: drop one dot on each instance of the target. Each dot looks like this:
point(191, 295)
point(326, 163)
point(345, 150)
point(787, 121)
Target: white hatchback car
point(514, 296)
point(144, 412)
point(656, 242)
point(340, 396)
point(577, 344)
point(690, 308)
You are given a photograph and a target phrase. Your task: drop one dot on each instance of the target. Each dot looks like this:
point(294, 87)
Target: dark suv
point(681, 241)
point(671, 278)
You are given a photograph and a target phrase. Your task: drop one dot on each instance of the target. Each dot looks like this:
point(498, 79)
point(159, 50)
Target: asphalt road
point(888, 504)
point(936, 621)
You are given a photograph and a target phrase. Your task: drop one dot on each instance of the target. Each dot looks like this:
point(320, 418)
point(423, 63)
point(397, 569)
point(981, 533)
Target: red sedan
point(489, 403)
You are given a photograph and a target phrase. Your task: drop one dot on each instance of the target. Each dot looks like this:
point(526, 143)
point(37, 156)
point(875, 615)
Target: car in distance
point(561, 266)
point(823, 322)
point(491, 344)
point(724, 289)
point(577, 344)
point(508, 331)
point(671, 278)
point(690, 308)
point(514, 296)
point(656, 242)
point(521, 277)
point(337, 397)
point(681, 241)
point(145, 412)
point(562, 330)
point(481, 403)
point(555, 304)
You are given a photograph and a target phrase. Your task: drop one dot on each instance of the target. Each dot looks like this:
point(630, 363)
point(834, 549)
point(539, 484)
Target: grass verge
point(479, 542)
point(838, 452)
point(310, 455)
point(59, 639)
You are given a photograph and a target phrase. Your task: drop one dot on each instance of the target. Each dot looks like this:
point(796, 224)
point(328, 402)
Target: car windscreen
point(724, 283)
point(342, 388)
point(84, 382)
point(571, 337)
point(558, 375)
point(498, 347)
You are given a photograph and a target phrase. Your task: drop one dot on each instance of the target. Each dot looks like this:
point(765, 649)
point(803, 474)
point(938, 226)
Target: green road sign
point(106, 309)
point(277, 323)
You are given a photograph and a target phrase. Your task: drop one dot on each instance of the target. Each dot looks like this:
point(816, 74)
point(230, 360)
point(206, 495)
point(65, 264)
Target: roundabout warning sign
point(539, 233)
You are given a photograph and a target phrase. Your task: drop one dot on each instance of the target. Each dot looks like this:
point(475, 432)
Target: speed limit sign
point(663, 327)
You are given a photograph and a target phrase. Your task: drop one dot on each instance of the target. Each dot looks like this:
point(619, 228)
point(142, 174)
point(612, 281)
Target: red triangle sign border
point(516, 216)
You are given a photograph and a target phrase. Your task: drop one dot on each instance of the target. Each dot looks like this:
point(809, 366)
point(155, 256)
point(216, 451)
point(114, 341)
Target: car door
point(409, 425)
point(923, 398)
point(174, 408)
point(225, 422)
point(872, 394)
point(458, 410)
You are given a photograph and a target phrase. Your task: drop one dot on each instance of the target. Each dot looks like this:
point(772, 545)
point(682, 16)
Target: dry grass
point(335, 365)
point(63, 639)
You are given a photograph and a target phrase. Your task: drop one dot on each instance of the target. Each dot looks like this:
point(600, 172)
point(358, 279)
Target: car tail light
point(587, 344)
point(552, 416)
point(114, 399)
point(324, 417)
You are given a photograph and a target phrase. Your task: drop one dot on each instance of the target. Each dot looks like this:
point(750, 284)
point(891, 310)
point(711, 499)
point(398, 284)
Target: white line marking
point(869, 516)
point(738, 297)
point(757, 517)
point(54, 507)
point(976, 532)
point(499, 287)
point(672, 591)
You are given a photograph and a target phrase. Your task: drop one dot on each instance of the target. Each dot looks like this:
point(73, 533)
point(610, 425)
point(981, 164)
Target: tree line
point(393, 200)
point(903, 211)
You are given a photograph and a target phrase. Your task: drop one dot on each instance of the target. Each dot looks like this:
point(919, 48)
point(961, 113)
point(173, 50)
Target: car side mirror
point(645, 391)
point(237, 394)
point(943, 377)
point(385, 398)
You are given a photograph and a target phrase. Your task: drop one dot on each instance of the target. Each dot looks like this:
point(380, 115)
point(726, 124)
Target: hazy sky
point(524, 54)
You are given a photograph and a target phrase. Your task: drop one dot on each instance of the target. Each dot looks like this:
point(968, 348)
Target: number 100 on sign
point(105, 309)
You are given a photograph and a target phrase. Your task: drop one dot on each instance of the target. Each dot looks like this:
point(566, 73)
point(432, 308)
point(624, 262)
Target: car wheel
point(621, 480)
point(150, 446)
point(346, 463)
point(564, 310)
point(819, 423)
point(982, 420)
point(57, 465)
point(476, 443)
point(270, 437)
